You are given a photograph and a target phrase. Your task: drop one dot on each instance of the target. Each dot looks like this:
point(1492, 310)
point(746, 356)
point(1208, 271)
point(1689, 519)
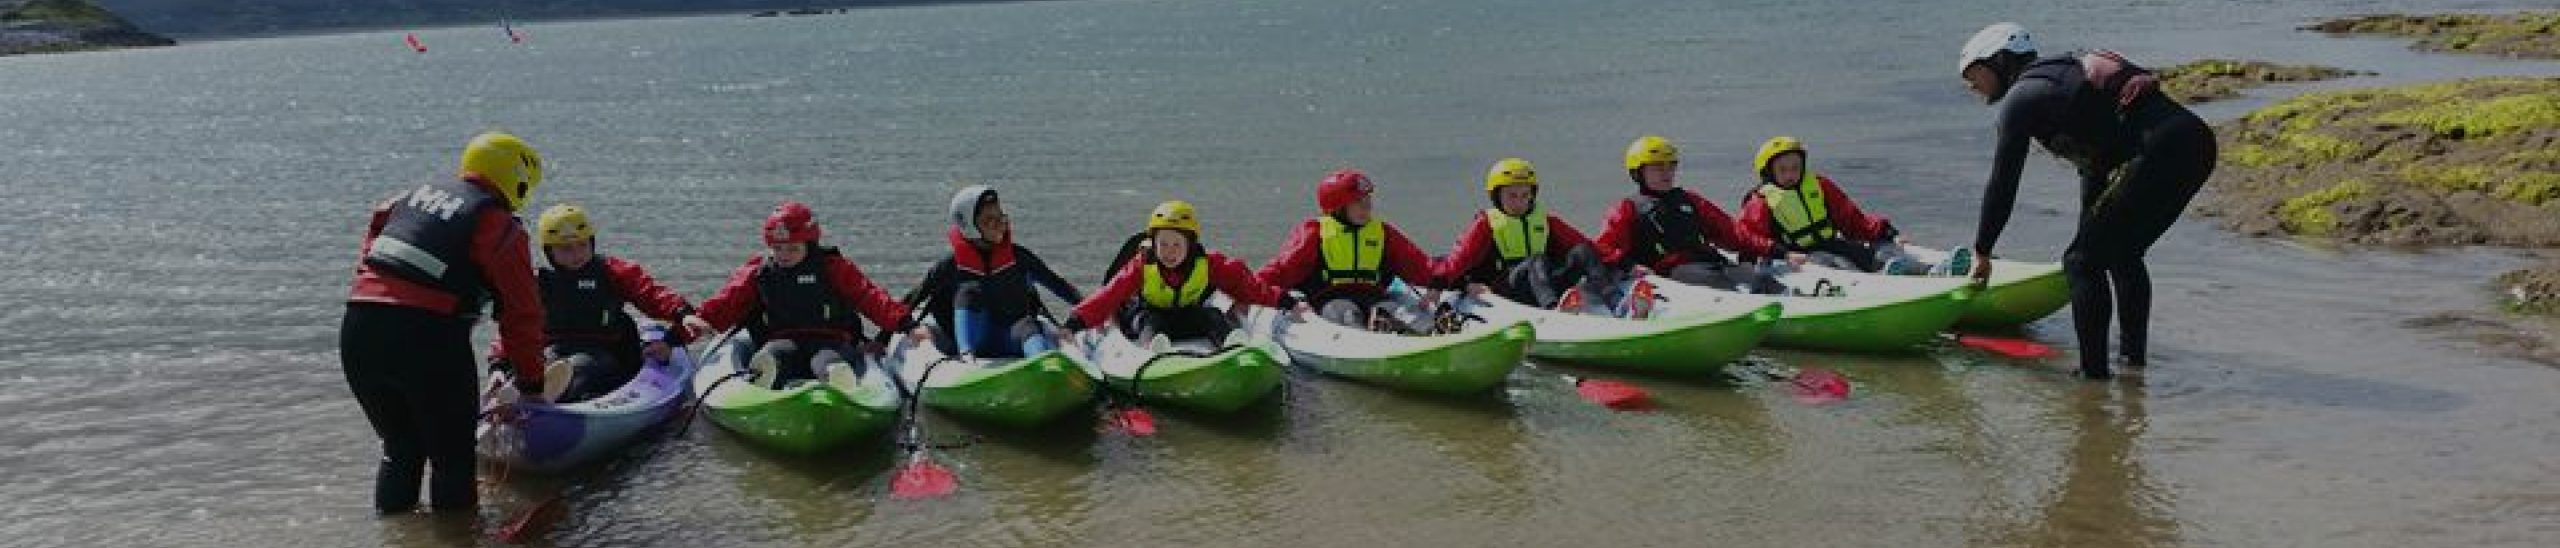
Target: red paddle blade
point(1614, 395)
point(533, 522)
point(2006, 346)
point(1138, 422)
point(1819, 386)
point(922, 479)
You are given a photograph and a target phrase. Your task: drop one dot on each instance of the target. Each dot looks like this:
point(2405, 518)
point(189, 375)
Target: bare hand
point(699, 326)
point(1478, 290)
point(919, 334)
point(1798, 259)
point(1981, 269)
point(1302, 310)
point(1641, 271)
point(655, 351)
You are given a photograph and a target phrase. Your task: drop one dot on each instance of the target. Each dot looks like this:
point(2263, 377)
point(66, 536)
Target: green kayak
point(1872, 313)
point(1471, 361)
point(807, 417)
point(1699, 340)
point(2018, 292)
point(1190, 375)
point(1015, 392)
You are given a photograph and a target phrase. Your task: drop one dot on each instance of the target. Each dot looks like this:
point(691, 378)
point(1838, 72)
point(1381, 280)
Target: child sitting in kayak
point(1803, 211)
point(1345, 259)
point(800, 299)
point(1670, 230)
point(1516, 250)
point(982, 293)
point(583, 295)
point(1171, 276)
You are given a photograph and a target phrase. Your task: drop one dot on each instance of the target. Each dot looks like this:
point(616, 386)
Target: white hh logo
point(807, 279)
point(435, 202)
point(589, 285)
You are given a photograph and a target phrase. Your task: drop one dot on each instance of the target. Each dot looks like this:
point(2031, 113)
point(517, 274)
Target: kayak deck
point(1698, 341)
point(1015, 392)
point(804, 418)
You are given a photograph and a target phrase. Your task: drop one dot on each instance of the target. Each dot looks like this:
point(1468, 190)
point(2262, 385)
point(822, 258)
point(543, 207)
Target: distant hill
point(239, 17)
point(40, 26)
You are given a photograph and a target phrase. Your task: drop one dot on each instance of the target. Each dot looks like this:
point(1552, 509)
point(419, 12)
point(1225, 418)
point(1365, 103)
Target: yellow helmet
point(1651, 149)
point(1508, 172)
point(510, 166)
point(1177, 215)
point(1770, 150)
point(565, 224)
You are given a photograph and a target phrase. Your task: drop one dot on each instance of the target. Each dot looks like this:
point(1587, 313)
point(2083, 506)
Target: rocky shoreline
point(2465, 162)
point(56, 26)
point(2217, 79)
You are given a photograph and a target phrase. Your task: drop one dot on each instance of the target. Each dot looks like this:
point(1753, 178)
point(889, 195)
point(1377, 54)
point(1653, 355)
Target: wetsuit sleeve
point(735, 299)
point(1617, 235)
point(644, 293)
point(1047, 278)
point(1562, 235)
point(1410, 262)
point(1296, 259)
point(1852, 221)
point(1728, 234)
point(1756, 221)
point(506, 264)
point(936, 285)
point(1097, 308)
point(1231, 277)
point(2013, 127)
point(1471, 248)
point(874, 303)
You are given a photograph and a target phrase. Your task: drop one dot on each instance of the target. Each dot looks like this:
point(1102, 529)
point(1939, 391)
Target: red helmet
point(1342, 188)
point(790, 223)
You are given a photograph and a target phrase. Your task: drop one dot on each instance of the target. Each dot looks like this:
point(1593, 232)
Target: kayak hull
point(1469, 362)
point(806, 418)
point(2018, 293)
point(1876, 314)
point(549, 438)
point(1219, 381)
point(1019, 393)
point(1702, 341)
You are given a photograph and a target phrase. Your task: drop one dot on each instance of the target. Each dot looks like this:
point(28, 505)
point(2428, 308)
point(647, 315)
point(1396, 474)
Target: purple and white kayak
point(550, 437)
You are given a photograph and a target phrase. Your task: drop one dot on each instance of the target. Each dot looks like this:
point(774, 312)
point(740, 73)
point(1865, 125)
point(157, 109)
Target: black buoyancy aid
point(582, 303)
point(1671, 222)
point(427, 239)
point(798, 300)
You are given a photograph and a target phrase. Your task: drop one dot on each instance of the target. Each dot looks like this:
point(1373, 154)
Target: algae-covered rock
point(2462, 162)
point(2213, 79)
point(43, 26)
point(2533, 290)
point(2528, 34)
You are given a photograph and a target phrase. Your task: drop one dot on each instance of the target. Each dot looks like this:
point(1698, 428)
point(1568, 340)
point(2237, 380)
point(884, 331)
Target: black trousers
point(2121, 216)
point(414, 374)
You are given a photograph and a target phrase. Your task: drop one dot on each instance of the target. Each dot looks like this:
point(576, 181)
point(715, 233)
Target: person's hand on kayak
point(1478, 290)
point(1981, 268)
point(1301, 311)
point(700, 327)
point(919, 335)
point(1640, 271)
point(655, 350)
point(1798, 259)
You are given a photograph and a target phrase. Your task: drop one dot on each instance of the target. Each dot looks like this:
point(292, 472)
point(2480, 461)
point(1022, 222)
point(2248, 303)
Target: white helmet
point(1999, 37)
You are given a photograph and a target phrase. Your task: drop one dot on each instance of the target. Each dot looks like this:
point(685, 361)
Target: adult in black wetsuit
point(2141, 158)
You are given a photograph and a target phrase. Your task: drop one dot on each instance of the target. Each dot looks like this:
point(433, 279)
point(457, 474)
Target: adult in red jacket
point(1343, 259)
point(433, 257)
point(1805, 212)
point(1172, 278)
point(800, 299)
point(583, 296)
point(1516, 250)
point(1670, 230)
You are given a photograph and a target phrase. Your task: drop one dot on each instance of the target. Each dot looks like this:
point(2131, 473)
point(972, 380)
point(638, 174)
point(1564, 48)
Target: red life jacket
point(966, 256)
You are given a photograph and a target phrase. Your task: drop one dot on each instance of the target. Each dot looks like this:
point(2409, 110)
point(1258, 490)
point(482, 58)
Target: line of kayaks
point(1692, 330)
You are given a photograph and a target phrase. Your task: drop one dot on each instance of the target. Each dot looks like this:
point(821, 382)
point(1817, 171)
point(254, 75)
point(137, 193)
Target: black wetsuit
point(2139, 165)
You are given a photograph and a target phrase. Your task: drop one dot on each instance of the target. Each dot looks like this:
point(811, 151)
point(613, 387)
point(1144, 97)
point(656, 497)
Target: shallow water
point(180, 223)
